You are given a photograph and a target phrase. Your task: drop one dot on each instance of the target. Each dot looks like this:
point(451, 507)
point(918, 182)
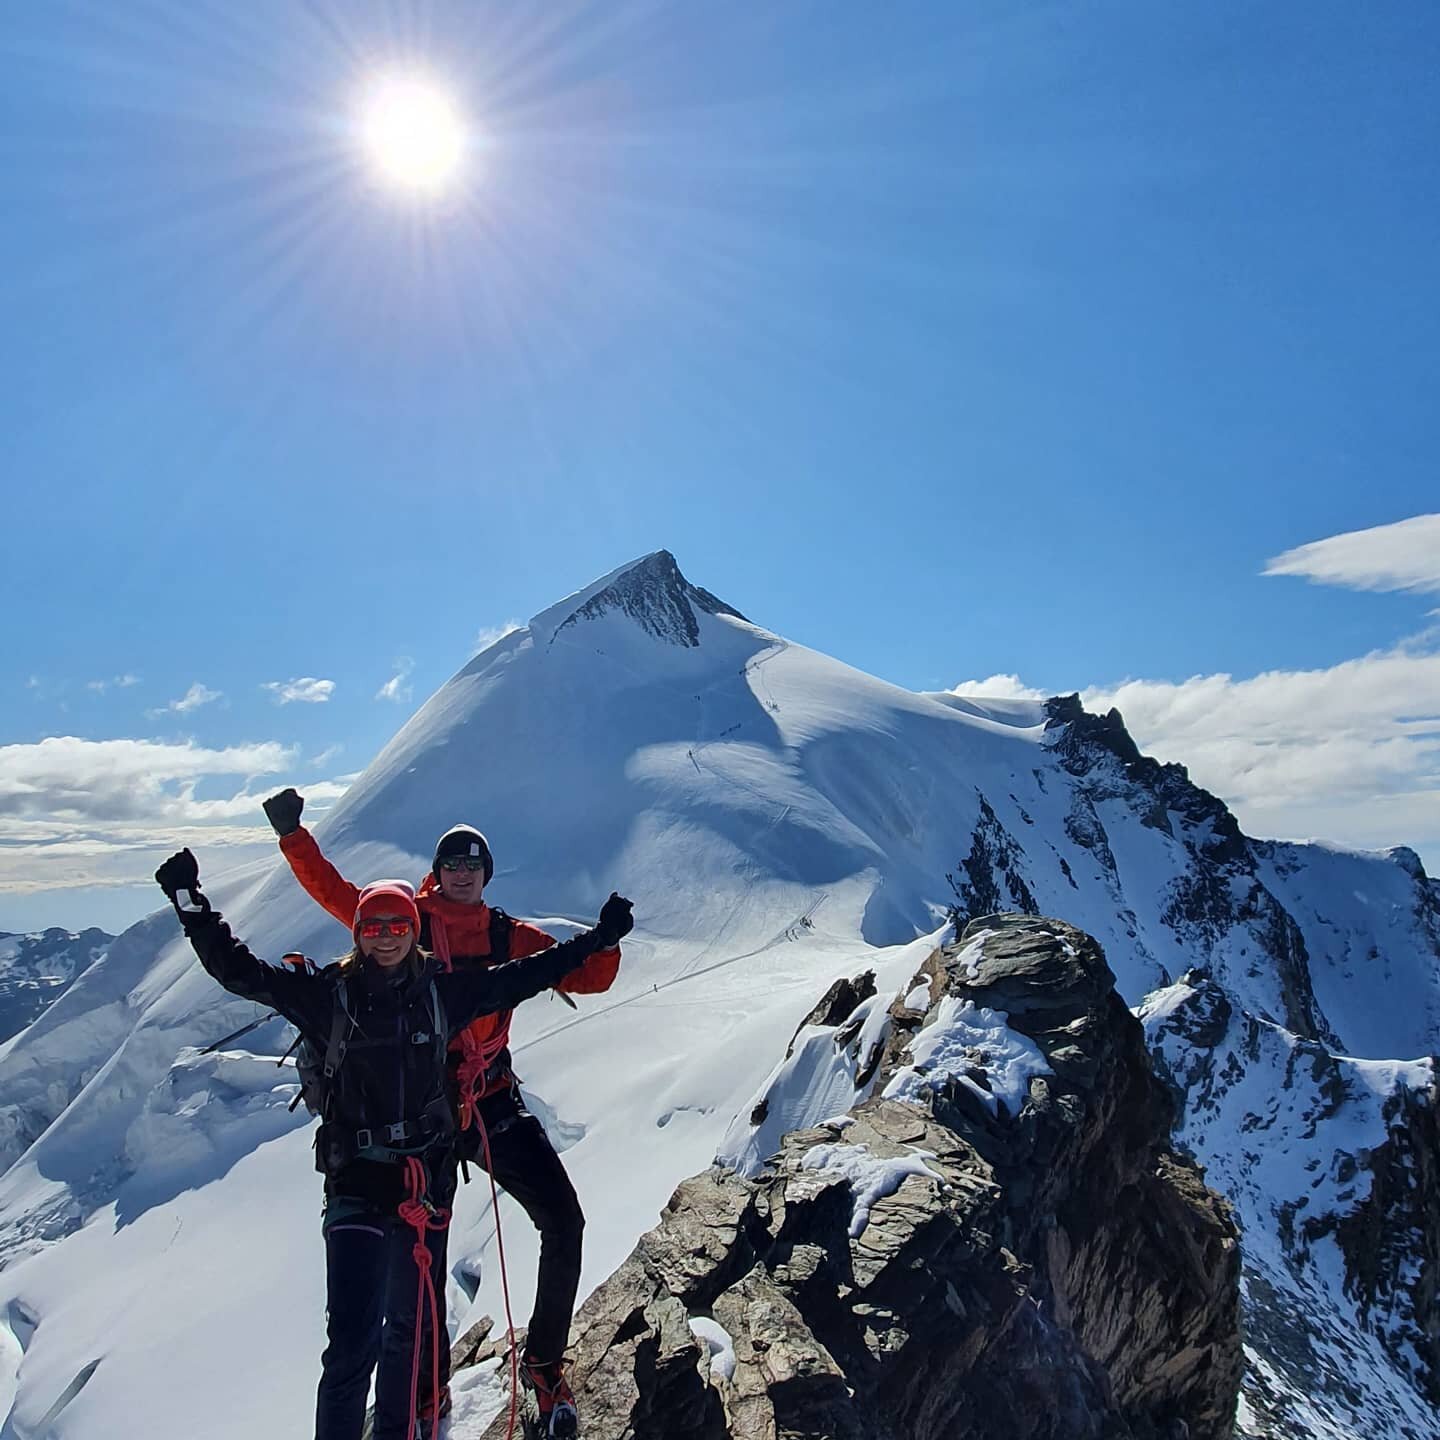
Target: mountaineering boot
point(556, 1417)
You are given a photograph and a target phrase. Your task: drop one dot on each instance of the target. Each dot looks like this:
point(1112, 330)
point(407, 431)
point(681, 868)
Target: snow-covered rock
point(1331, 1165)
point(947, 1267)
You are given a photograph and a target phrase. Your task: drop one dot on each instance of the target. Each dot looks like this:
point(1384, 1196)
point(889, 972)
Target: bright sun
point(413, 132)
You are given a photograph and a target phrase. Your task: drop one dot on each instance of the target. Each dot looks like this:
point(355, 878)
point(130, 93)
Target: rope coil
point(422, 1216)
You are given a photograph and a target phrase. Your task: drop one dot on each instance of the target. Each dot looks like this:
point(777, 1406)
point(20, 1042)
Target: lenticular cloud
point(1402, 556)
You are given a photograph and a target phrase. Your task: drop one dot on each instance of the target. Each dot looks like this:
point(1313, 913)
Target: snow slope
point(780, 820)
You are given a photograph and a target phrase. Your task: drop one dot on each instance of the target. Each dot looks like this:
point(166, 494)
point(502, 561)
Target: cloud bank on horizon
point(1350, 753)
point(77, 813)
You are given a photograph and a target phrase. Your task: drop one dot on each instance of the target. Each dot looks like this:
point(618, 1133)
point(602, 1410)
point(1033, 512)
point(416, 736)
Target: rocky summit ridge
point(655, 595)
point(942, 1261)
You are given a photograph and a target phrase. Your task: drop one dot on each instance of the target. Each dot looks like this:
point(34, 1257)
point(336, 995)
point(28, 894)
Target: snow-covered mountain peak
point(781, 821)
point(651, 591)
point(1409, 862)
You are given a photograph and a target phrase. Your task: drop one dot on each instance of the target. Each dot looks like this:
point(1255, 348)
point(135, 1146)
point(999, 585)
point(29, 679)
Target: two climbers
point(494, 1130)
point(381, 1017)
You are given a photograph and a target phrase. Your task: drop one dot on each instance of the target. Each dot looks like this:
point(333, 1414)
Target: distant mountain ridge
point(782, 820)
point(37, 968)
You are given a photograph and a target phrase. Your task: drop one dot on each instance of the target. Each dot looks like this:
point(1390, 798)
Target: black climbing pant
point(527, 1168)
point(371, 1292)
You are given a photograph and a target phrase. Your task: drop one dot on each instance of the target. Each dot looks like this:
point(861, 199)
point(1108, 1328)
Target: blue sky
point(958, 341)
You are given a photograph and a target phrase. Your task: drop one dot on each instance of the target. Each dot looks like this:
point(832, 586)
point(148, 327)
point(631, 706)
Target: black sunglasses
point(462, 862)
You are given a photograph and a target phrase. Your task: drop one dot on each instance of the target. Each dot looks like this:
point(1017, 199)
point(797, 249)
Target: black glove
point(179, 878)
point(615, 922)
point(283, 811)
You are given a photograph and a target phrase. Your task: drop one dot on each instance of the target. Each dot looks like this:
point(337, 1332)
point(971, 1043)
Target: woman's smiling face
point(386, 939)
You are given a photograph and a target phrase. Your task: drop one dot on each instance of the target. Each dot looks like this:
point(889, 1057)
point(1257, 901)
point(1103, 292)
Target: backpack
point(317, 1068)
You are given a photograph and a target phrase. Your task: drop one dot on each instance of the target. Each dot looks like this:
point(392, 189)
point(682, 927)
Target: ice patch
point(1161, 1004)
point(562, 1134)
point(818, 1078)
point(870, 1178)
point(716, 1339)
point(964, 1037)
point(970, 957)
point(1385, 1077)
point(479, 1393)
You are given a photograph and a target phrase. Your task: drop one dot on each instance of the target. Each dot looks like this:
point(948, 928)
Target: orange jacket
point(458, 932)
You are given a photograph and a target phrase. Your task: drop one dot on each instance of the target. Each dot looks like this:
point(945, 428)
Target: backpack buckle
point(364, 1139)
point(397, 1134)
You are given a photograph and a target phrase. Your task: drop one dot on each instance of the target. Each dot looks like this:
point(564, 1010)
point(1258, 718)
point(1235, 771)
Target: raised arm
point(299, 996)
point(481, 991)
point(320, 880)
point(595, 974)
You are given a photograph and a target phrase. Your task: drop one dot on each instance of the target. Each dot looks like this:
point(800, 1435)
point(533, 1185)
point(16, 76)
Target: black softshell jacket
point(390, 1072)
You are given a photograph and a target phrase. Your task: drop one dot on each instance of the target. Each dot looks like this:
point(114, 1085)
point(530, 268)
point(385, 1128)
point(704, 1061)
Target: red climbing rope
point(476, 1056)
point(504, 1282)
point(476, 1059)
point(421, 1215)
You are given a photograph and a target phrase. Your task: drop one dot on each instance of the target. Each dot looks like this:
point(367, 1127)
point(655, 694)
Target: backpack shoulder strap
point(437, 1018)
point(342, 1022)
point(501, 926)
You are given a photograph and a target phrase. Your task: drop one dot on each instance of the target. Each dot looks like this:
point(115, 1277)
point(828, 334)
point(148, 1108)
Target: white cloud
point(77, 813)
point(396, 688)
point(37, 857)
point(325, 756)
point(306, 690)
point(1350, 753)
point(65, 778)
point(196, 696)
point(1402, 556)
point(998, 687)
point(120, 682)
point(491, 633)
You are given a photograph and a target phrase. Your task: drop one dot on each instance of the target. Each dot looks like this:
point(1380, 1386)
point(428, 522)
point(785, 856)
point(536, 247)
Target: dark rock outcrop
point(1024, 1263)
point(991, 877)
point(837, 1004)
point(654, 594)
point(1391, 1242)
